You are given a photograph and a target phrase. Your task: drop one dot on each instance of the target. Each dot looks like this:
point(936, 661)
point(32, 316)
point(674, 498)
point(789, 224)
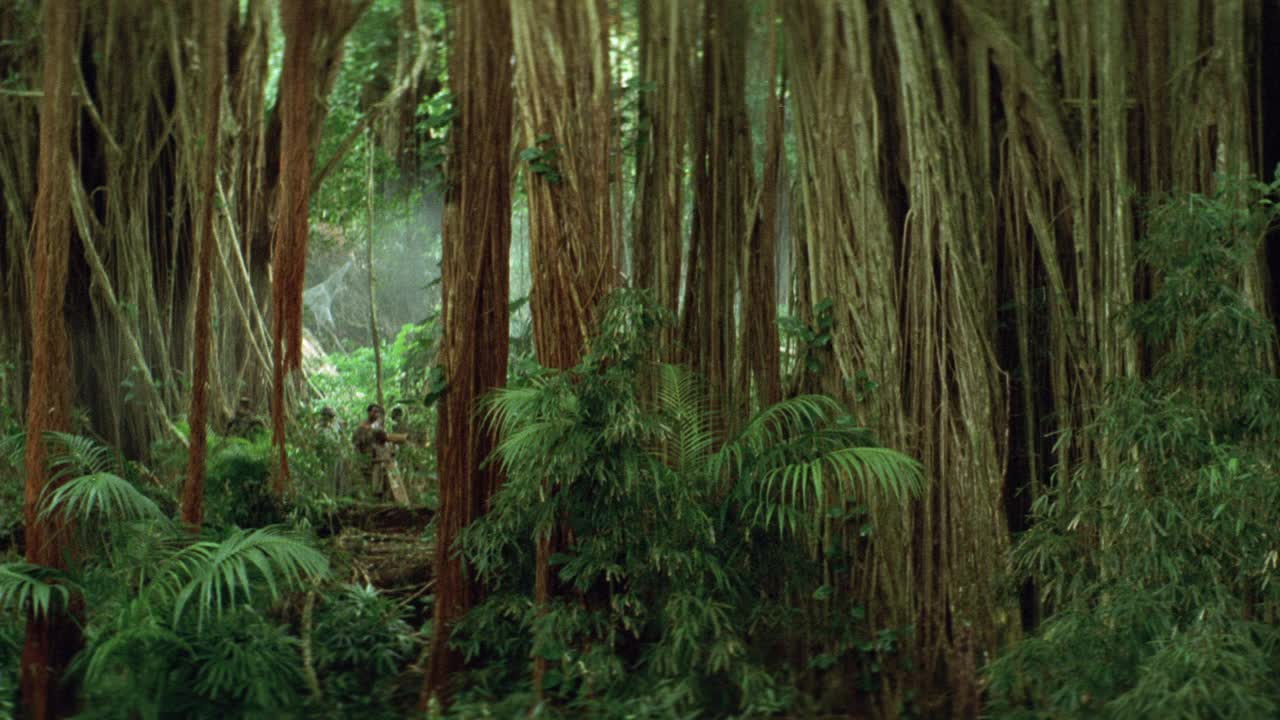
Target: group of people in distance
point(373, 442)
point(377, 447)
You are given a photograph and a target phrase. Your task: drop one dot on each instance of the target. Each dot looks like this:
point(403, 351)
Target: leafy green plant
point(361, 643)
point(1159, 558)
point(238, 483)
point(173, 622)
point(10, 657)
point(811, 341)
point(12, 445)
point(682, 553)
point(542, 158)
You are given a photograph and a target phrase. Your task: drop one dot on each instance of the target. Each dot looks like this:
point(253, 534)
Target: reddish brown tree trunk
point(51, 640)
point(214, 60)
point(289, 255)
point(477, 241)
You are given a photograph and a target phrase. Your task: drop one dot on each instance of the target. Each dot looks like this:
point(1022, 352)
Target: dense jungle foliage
point(735, 359)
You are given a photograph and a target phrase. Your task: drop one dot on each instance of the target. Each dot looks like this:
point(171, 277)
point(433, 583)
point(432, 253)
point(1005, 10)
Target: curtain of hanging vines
point(134, 201)
point(723, 188)
point(1093, 121)
point(976, 234)
point(19, 134)
point(666, 38)
point(564, 91)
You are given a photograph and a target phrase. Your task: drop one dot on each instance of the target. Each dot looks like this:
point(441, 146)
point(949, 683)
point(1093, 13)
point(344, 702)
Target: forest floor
point(386, 546)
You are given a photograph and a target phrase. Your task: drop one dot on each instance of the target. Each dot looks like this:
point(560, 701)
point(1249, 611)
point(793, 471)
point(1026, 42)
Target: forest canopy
point(639, 358)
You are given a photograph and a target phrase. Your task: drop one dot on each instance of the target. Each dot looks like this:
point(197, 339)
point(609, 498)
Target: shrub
point(174, 624)
point(686, 562)
point(238, 483)
point(1159, 558)
point(361, 643)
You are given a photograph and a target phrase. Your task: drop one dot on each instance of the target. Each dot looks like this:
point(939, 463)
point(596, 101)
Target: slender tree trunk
point(52, 639)
point(373, 295)
point(759, 355)
point(214, 37)
point(289, 255)
point(477, 241)
point(314, 34)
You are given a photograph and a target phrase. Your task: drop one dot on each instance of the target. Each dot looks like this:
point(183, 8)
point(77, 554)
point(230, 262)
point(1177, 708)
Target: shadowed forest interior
point(639, 358)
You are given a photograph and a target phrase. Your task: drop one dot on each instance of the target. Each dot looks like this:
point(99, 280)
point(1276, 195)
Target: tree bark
point(289, 252)
point(214, 41)
point(53, 639)
point(477, 241)
point(563, 83)
point(373, 296)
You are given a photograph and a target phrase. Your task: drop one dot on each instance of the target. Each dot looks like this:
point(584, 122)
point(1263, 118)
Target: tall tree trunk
point(666, 49)
point(289, 254)
point(52, 639)
point(373, 295)
point(759, 355)
point(477, 245)
point(314, 34)
point(214, 40)
point(723, 192)
point(563, 82)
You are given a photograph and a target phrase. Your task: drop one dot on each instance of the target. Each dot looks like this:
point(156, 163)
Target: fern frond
point(102, 495)
point(221, 575)
point(36, 589)
point(875, 470)
point(788, 418)
point(683, 402)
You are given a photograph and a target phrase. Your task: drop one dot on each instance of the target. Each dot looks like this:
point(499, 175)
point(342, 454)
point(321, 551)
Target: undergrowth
point(688, 570)
point(1158, 560)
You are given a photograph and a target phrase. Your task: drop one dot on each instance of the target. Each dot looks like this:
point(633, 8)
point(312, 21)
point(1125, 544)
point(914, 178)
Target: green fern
point(13, 447)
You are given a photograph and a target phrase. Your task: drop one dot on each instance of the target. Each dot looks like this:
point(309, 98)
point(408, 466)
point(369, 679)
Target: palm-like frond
point(100, 495)
point(221, 575)
point(35, 589)
point(73, 455)
point(775, 426)
point(805, 486)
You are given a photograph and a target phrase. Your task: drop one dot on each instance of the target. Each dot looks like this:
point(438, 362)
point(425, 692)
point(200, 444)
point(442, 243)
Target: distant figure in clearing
point(374, 443)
